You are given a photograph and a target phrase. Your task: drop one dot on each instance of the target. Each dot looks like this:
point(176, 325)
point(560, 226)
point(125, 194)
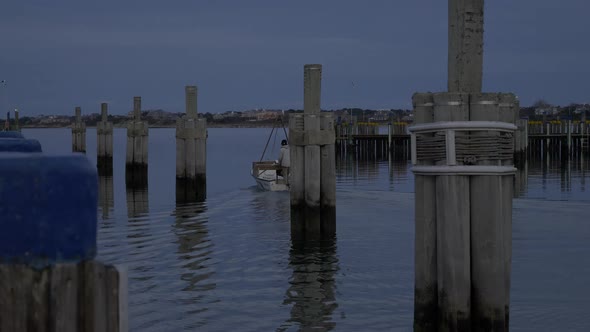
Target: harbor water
point(228, 264)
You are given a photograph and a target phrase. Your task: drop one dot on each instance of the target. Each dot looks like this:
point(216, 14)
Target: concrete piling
point(312, 182)
point(78, 132)
point(50, 280)
point(104, 132)
point(462, 156)
point(137, 140)
point(191, 146)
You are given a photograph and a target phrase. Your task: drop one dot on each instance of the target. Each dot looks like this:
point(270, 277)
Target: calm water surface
point(228, 264)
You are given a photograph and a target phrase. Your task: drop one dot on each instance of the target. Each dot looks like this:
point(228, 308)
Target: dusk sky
point(55, 55)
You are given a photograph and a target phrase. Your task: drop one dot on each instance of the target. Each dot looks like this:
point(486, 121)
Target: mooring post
point(389, 133)
point(16, 125)
point(583, 123)
point(137, 140)
point(78, 132)
point(425, 287)
point(191, 149)
point(104, 132)
point(569, 137)
point(312, 182)
point(463, 161)
point(49, 278)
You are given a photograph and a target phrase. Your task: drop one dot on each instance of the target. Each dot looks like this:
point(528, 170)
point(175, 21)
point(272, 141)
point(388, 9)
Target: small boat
point(265, 172)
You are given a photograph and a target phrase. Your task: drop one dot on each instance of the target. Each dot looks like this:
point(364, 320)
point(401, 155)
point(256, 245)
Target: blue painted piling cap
point(19, 145)
point(47, 209)
point(13, 141)
point(11, 134)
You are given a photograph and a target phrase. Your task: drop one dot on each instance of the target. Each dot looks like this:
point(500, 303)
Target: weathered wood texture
point(104, 132)
point(312, 174)
point(65, 297)
point(473, 220)
point(191, 143)
point(78, 133)
point(137, 138)
point(465, 60)
point(453, 228)
point(425, 285)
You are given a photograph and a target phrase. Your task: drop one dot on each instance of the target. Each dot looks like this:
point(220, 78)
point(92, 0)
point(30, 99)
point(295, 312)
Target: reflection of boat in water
point(270, 175)
point(265, 174)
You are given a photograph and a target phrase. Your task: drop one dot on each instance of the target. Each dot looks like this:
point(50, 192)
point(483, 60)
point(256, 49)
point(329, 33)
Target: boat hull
point(265, 175)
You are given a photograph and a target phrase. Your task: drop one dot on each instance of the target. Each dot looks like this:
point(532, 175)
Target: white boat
point(265, 174)
point(264, 171)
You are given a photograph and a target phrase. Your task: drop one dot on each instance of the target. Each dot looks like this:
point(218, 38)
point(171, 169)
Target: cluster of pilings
point(312, 174)
point(104, 141)
point(462, 156)
point(364, 142)
point(566, 138)
point(137, 141)
point(78, 132)
point(49, 279)
point(12, 126)
point(191, 148)
point(463, 166)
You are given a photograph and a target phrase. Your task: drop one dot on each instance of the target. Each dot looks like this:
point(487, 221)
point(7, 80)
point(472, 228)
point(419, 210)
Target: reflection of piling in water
point(137, 139)
point(191, 231)
point(312, 287)
point(104, 140)
point(521, 178)
point(78, 133)
point(191, 145)
point(312, 178)
point(136, 185)
point(106, 200)
point(188, 190)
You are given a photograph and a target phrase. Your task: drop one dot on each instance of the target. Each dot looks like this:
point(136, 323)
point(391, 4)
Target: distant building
point(552, 110)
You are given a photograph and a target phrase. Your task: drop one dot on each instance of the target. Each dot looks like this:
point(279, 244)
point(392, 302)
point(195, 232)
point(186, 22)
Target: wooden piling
point(78, 132)
point(569, 136)
point(453, 227)
point(312, 153)
point(191, 144)
point(16, 125)
point(137, 140)
point(472, 164)
point(465, 38)
point(327, 180)
point(45, 252)
point(425, 281)
point(104, 147)
point(488, 220)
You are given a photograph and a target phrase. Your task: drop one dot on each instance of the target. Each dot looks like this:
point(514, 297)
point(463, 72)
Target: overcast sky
point(55, 55)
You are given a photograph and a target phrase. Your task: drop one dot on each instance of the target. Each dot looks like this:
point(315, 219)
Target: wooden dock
point(366, 142)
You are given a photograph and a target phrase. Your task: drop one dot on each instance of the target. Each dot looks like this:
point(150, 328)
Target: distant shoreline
point(209, 125)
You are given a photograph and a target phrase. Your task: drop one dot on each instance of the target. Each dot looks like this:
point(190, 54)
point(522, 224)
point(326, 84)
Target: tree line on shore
point(540, 110)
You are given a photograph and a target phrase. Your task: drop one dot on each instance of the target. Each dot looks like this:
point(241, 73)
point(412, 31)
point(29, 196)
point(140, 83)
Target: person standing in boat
point(284, 159)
